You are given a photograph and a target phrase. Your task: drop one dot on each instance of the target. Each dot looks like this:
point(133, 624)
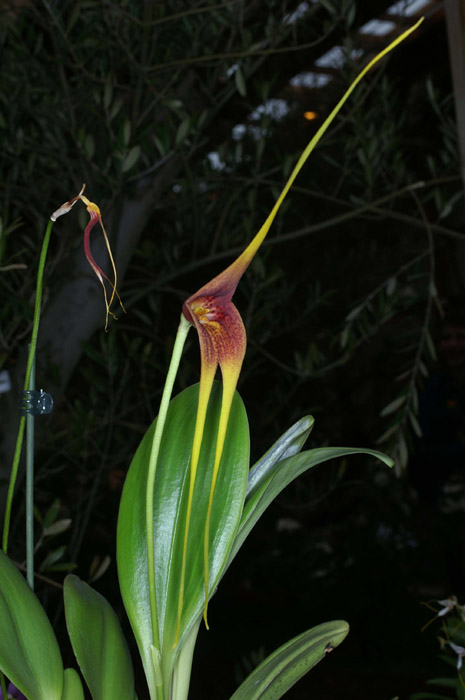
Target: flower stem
point(30, 418)
point(30, 361)
point(3, 685)
point(183, 330)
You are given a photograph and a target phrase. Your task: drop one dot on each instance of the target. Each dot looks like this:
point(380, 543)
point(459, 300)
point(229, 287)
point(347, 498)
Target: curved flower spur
point(222, 335)
point(95, 216)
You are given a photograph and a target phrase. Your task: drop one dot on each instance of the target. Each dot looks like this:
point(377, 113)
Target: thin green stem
point(3, 684)
point(30, 418)
point(183, 330)
point(30, 360)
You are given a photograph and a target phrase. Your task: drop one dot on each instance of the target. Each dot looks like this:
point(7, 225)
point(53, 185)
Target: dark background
point(342, 304)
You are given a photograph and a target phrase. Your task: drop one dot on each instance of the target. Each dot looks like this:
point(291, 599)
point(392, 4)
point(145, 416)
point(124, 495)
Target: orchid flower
point(447, 605)
point(95, 216)
point(223, 340)
point(460, 651)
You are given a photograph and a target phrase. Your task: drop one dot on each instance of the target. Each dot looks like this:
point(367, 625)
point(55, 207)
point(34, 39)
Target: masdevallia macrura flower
point(223, 343)
point(222, 334)
point(95, 217)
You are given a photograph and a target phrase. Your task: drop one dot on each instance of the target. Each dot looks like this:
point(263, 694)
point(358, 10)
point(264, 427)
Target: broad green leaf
point(170, 500)
point(29, 653)
point(289, 444)
point(281, 475)
point(285, 666)
point(72, 686)
point(98, 642)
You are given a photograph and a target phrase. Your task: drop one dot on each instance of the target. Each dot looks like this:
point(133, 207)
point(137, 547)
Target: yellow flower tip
point(92, 208)
point(205, 616)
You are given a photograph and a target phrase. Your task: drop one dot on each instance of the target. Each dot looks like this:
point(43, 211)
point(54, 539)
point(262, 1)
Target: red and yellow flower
point(222, 334)
point(95, 217)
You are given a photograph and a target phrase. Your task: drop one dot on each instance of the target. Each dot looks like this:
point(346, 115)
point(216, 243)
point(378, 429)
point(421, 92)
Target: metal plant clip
point(35, 403)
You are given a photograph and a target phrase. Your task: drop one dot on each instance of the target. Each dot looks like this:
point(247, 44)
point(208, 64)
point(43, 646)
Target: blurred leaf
point(52, 558)
point(89, 146)
point(240, 82)
point(429, 696)
point(391, 286)
point(52, 513)
point(415, 424)
point(57, 528)
point(183, 130)
point(131, 158)
point(393, 406)
point(126, 132)
point(98, 568)
point(107, 94)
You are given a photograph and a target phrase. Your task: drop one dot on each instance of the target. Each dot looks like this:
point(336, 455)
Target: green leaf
point(29, 653)
point(170, 501)
point(393, 406)
point(443, 682)
point(126, 132)
point(284, 667)
point(131, 158)
point(98, 642)
point(240, 82)
point(72, 687)
point(52, 513)
point(429, 696)
point(289, 444)
point(89, 146)
point(281, 475)
point(183, 130)
point(57, 528)
point(107, 94)
point(52, 557)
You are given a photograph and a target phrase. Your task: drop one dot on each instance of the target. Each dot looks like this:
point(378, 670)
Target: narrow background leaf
point(284, 667)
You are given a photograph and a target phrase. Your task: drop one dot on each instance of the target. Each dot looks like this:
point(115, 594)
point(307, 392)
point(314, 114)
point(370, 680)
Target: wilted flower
point(95, 216)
